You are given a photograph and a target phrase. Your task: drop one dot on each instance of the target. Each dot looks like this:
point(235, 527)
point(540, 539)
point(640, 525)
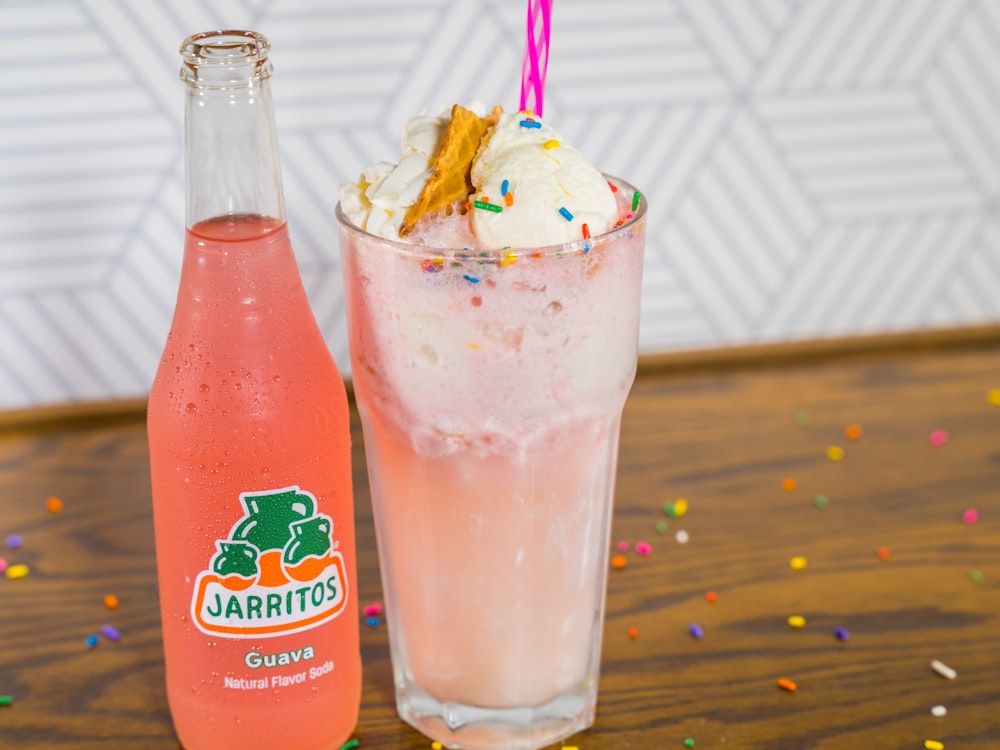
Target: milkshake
point(492, 352)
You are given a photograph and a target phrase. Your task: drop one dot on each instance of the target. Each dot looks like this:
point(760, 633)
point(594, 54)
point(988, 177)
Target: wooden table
point(722, 435)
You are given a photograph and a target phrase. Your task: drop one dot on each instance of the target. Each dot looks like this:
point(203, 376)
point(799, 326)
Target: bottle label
point(278, 572)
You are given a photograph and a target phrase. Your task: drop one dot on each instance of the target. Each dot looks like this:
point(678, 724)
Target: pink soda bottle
point(249, 446)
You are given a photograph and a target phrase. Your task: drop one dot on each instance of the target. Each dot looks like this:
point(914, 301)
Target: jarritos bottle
point(249, 446)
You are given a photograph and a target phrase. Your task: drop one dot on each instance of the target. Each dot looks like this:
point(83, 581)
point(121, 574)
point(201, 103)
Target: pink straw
point(536, 55)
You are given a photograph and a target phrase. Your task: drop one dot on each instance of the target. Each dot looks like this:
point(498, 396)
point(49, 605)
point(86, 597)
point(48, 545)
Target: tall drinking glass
point(491, 387)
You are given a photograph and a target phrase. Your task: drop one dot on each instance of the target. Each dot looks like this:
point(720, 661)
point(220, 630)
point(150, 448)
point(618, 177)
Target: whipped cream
point(554, 189)
point(378, 201)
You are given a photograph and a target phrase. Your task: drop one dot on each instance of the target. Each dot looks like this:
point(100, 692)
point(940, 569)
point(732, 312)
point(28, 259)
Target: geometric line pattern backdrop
point(813, 167)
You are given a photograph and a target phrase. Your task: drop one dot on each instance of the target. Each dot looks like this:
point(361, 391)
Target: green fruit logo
point(277, 572)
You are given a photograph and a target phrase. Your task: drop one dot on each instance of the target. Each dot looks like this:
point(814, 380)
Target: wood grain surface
point(723, 437)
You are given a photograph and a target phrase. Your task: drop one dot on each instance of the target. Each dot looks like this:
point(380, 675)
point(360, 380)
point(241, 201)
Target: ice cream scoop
point(526, 185)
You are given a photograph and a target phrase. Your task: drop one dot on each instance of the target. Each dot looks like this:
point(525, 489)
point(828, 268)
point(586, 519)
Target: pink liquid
point(248, 399)
point(497, 562)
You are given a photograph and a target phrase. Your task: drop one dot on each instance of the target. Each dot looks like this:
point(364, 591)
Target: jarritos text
point(277, 573)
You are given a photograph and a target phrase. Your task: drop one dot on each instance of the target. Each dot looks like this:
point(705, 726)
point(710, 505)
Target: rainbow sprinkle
point(111, 632)
point(635, 200)
point(470, 279)
point(551, 144)
point(488, 206)
point(566, 214)
point(504, 188)
point(530, 124)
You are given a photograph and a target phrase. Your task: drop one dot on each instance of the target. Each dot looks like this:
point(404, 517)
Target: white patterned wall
point(814, 167)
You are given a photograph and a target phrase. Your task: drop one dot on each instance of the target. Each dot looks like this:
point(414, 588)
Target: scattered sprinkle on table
point(677, 509)
point(976, 575)
point(820, 501)
point(689, 742)
point(785, 684)
point(17, 571)
point(633, 632)
point(351, 744)
point(618, 562)
point(92, 641)
point(788, 484)
point(798, 563)
point(570, 747)
point(6, 700)
point(796, 621)
point(661, 527)
point(54, 504)
point(938, 438)
point(14, 541)
point(371, 621)
point(111, 632)
point(111, 601)
point(802, 418)
point(993, 396)
point(883, 553)
point(711, 597)
point(938, 711)
point(373, 610)
point(841, 634)
point(853, 432)
point(623, 546)
point(643, 548)
point(933, 745)
point(3, 565)
point(970, 517)
point(943, 669)
point(682, 536)
point(696, 632)
point(835, 453)
point(435, 745)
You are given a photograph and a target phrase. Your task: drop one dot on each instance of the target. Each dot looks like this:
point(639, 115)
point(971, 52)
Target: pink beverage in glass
point(491, 386)
point(249, 444)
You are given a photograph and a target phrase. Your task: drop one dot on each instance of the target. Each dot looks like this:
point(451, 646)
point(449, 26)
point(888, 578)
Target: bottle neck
point(231, 148)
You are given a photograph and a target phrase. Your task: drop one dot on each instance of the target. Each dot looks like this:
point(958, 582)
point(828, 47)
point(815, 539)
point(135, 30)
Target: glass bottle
point(248, 424)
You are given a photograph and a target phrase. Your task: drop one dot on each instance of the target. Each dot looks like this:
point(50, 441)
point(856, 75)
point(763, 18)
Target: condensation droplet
point(428, 355)
point(203, 388)
point(276, 378)
point(191, 408)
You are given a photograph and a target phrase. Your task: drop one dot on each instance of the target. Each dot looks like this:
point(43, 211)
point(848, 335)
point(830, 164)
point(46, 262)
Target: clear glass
point(491, 387)
point(231, 145)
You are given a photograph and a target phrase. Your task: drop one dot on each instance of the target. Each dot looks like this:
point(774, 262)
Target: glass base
point(456, 725)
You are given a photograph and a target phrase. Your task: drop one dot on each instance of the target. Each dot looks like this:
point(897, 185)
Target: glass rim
point(582, 245)
point(217, 58)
